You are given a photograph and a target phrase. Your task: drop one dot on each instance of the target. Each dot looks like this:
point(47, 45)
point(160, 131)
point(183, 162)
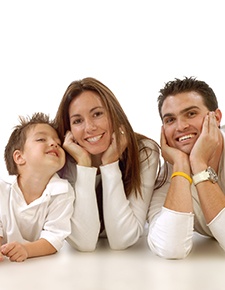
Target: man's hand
point(203, 152)
point(171, 154)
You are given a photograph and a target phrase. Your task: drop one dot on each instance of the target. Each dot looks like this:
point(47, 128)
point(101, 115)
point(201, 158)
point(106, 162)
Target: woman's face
point(90, 123)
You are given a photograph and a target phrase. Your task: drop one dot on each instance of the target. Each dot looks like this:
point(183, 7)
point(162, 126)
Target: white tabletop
point(136, 268)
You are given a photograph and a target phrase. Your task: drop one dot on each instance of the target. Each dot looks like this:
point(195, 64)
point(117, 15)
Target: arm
point(178, 197)
point(1, 237)
point(1, 255)
point(125, 217)
point(85, 224)
point(208, 152)
point(170, 214)
point(170, 232)
point(19, 252)
point(217, 228)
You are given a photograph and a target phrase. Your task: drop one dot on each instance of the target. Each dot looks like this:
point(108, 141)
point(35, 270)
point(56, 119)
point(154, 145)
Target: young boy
point(35, 209)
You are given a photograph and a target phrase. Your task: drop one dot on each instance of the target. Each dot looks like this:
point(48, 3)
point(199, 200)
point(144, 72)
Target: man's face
point(183, 115)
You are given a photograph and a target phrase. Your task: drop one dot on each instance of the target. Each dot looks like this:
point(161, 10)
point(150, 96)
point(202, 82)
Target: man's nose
point(182, 124)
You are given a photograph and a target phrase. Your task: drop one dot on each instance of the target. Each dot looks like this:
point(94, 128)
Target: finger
point(6, 248)
point(17, 257)
point(162, 137)
point(205, 125)
point(212, 120)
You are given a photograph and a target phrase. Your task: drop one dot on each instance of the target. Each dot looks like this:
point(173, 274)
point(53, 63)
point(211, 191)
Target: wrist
point(183, 175)
point(208, 174)
point(183, 167)
point(197, 167)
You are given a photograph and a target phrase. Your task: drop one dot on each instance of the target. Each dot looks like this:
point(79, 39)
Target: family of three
point(109, 181)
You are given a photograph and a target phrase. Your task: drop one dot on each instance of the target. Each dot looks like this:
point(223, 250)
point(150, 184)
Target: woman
point(112, 169)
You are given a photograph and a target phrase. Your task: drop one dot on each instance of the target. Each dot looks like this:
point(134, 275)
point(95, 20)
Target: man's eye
point(191, 114)
point(168, 120)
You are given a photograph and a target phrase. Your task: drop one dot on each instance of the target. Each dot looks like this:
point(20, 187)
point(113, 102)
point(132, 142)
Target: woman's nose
point(90, 125)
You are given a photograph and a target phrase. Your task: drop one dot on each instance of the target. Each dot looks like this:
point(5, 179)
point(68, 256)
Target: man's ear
point(18, 157)
point(218, 115)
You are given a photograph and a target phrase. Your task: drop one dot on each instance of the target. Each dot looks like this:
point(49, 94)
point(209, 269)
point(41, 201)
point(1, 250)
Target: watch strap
point(199, 177)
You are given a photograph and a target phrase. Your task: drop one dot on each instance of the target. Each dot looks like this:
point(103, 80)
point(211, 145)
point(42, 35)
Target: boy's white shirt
point(47, 217)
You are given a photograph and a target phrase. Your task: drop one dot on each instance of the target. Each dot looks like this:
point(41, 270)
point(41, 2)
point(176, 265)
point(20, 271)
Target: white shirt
point(171, 232)
point(47, 217)
point(124, 217)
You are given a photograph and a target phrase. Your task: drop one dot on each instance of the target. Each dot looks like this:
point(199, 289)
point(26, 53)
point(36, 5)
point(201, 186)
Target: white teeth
point(186, 137)
point(94, 139)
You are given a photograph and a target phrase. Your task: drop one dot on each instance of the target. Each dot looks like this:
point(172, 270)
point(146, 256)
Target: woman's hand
point(81, 156)
point(112, 154)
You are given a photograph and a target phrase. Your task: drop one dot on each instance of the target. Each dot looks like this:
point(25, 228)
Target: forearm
point(39, 248)
point(123, 225)
point(179, 194)
point(216, 226)
point(212, 199)
point(85, 224)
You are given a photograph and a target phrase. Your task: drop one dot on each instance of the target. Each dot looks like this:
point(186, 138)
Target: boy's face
point(42, 151)
point(183, 115)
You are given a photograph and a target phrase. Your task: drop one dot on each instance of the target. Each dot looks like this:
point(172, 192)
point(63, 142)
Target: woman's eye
point(77, 121)
point(40, 139)
point(97, 114)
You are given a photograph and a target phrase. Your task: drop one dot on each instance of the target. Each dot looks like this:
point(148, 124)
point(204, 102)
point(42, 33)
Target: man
point(193, 196)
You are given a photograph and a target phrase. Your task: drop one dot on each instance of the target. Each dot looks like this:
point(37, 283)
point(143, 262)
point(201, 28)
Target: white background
point(133, 47)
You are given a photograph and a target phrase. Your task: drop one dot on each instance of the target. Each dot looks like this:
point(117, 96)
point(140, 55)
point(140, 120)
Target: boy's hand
point(15, 251)
point(1, 257)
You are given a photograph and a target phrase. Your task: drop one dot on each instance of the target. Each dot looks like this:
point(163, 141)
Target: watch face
point(212, 174)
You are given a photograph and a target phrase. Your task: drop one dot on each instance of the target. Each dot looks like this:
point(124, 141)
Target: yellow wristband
point(179, 173)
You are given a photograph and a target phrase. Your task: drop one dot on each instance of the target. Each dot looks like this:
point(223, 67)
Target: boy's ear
point(218, 115)
point(18, 157)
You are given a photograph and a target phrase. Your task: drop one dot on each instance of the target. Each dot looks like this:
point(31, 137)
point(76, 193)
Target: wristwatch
point(207, 174)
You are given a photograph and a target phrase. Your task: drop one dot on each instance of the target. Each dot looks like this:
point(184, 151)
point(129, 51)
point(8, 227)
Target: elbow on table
point(176, 252)
point(85, 246)
point(122, 244)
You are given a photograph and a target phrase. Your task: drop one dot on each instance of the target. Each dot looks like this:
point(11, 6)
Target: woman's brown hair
point(130, 161)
